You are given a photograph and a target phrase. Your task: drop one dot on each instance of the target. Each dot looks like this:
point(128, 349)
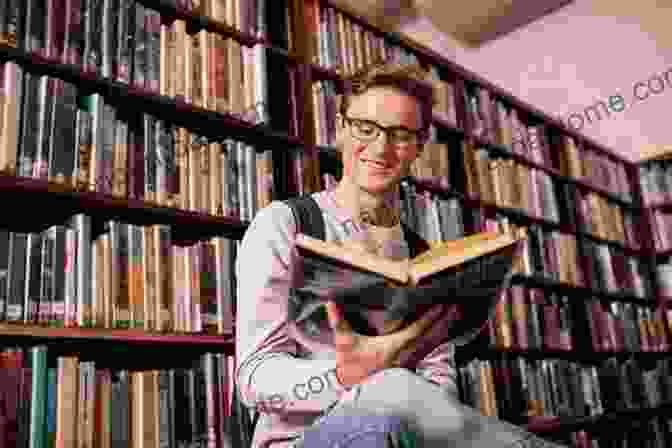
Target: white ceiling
point(472, 22)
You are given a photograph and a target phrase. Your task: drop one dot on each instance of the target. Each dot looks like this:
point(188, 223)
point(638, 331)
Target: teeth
point(372, 162)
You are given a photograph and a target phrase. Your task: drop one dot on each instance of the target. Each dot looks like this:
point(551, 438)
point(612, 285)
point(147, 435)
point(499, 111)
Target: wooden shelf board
point(538, 281)
point(130, 336)
point(55, 203)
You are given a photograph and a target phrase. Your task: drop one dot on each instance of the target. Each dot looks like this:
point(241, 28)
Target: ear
point(340, 131)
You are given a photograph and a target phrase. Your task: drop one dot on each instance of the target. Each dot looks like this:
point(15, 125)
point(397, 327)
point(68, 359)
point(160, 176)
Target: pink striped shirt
point(288, 375)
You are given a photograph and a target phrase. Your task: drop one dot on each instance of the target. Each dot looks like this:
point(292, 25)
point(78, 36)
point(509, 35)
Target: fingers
point(418, 327)
point(336, 319)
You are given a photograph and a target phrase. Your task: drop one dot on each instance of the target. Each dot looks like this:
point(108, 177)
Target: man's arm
point(268, 372)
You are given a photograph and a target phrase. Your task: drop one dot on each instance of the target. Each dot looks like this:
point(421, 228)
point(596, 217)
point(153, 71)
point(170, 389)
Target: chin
point(381, 186)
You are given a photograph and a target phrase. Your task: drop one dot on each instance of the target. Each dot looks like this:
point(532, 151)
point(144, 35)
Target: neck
point(381, 209)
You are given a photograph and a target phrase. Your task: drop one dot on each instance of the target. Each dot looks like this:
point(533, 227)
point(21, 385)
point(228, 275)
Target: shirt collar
point(327, 201)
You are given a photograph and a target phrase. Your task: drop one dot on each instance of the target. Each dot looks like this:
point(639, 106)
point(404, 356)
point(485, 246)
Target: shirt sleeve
point(269, 373)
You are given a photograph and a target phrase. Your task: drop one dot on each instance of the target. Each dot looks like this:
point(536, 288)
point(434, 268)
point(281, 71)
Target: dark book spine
point(48, 91)
point(153, 54)
point(47, 276)
point(91, 20)
point(4, 271)
point(16, 13)
point(17, 276)
point(166, 163)
point(84, 146)
point(29, 124)
point(108, 127)
point(64, 136)
point(74, 33)
point(25, 400)
point(183, 414)
point(163, 429)
point(124, 39)
point(56, 29)
point(150, 158)
point(59, 271)
point(140, 47)
point(209, 288)
point(109, 42)
point(4, 23)
point(136, 156)
point(536, 318)
point(36, 27)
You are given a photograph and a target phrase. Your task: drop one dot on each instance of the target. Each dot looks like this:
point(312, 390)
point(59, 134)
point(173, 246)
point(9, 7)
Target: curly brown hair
point(409, 79)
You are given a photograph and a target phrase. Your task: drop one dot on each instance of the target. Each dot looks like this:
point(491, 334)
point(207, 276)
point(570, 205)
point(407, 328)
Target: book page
point(449, 256)
point(448, 247)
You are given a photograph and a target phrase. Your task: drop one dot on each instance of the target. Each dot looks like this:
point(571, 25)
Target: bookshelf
point(203, 146)
point(596, 206)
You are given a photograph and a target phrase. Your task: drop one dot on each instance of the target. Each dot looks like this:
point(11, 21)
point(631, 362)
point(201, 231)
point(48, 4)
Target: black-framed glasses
point(368, 131)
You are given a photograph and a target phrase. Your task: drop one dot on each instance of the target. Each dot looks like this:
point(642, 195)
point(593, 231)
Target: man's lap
point(432, 413)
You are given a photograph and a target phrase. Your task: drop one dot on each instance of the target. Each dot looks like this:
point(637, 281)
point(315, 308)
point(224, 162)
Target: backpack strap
point(307, 216)
point(416, 244)
point(309, 220)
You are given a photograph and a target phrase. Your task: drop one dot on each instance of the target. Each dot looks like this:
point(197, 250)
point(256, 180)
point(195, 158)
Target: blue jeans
point(397, 401)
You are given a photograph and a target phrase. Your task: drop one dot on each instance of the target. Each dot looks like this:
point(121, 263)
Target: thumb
point(336, 319)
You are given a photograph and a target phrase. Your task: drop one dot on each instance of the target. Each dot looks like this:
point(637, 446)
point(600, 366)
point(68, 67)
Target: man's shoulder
point(279, 217)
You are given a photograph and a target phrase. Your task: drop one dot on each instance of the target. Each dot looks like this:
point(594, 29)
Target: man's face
point(379, 165)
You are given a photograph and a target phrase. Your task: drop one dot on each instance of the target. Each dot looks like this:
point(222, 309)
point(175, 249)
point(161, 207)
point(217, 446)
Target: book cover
point(471, 272)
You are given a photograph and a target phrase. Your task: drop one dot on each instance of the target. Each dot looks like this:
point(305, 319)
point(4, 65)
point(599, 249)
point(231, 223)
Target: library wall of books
point(138, 138)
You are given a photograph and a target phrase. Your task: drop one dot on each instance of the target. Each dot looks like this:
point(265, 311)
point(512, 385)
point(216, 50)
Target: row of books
point(445, 107)
point(532, 318)
point(75, 402)
point(656, 181)
point(126, 276)
point(346, 46)
point(92, 144)
point(493, 122)
point(560, 257)
point(661, 225)
point(432, 217)
point(513, 388)
point(599, 217)
point(548, 253)
point(247, 16)
point(433, 164)
point(201, 68)
point(506, 183)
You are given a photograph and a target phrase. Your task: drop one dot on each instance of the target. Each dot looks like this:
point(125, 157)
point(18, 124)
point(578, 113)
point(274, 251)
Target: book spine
point(5, 255)
point(153, 56)
point(108, 28)
point(139, 52)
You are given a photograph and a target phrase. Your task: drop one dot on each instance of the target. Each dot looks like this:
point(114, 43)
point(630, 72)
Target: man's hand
point(358, 356)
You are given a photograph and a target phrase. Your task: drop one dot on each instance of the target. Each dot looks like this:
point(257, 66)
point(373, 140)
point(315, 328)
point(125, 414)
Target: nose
point(381, 144)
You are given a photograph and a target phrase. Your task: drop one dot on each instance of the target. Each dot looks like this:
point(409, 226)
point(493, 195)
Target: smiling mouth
point(375, 164)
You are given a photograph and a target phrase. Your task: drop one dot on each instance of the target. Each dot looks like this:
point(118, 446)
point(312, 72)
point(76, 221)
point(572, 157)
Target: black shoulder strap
point(416, 244)
point(309, 220)
point(308, 216)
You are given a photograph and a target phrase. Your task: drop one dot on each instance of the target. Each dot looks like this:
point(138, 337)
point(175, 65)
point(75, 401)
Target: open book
point(470, 271)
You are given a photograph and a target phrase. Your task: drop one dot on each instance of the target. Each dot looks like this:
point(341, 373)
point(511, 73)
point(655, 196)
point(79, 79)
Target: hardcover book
point(470, 272)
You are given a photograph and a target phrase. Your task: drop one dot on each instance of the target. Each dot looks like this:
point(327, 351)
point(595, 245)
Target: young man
point(299, 373)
